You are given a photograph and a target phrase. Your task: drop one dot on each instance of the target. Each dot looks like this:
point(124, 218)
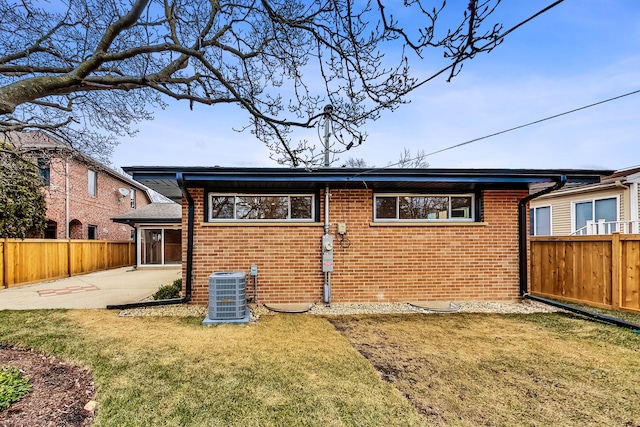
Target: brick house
point(81, 194)
point(355, 235)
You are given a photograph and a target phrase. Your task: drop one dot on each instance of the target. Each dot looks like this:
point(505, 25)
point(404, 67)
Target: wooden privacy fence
point(602, 271)
point(34, 260)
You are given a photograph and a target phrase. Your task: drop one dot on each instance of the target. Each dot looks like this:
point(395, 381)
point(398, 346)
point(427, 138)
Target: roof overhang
point(165, 180)
point(154, 213)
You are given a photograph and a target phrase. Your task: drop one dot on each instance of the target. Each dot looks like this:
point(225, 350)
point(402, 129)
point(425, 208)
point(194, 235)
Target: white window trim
point(593, 207)
point(251, 221)
point(532, 218)
point(450, 219)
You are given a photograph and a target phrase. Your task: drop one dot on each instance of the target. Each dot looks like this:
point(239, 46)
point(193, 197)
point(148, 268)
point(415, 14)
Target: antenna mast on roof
point(328, 109)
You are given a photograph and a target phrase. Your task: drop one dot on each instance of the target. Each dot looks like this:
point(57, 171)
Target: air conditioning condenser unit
point(227, 298)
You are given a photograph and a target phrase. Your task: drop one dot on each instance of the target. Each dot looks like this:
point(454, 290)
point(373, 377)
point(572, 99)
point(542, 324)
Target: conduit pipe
point(189, 273)
point(522, 258)
point(326, 294)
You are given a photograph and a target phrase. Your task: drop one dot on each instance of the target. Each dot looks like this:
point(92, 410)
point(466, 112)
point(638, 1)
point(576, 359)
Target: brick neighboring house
point(394, 234)
point(82, 194)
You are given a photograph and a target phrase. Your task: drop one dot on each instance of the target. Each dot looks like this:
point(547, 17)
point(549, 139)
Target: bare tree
point(86, 71)
point(355, 162)
point(406, 160)
point(411, 161)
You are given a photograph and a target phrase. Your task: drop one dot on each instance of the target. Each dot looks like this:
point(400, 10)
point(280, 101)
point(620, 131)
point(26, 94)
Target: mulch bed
point(59, 395)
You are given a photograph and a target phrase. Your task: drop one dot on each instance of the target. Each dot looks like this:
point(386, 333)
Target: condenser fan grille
point(227, 295)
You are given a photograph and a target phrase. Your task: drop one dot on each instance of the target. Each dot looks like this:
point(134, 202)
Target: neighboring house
point(355, 235)
point(81, 194)
point(158, 229)
point(602, 208)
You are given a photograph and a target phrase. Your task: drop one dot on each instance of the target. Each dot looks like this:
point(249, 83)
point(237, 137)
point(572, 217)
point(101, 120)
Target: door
point(151, 246)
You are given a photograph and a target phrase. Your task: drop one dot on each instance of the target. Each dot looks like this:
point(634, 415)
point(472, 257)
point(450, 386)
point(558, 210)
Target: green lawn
point(281, 371)
point(288, 370)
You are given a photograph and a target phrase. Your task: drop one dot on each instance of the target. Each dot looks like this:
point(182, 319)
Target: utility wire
point(511, 129)
point(495, 42)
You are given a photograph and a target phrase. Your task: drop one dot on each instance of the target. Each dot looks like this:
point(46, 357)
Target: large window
point(92, 182)
point(596, 210)
point(44, 169)
point(540, 221)
point(160, 246)
point(262, 207)
point(421, 207)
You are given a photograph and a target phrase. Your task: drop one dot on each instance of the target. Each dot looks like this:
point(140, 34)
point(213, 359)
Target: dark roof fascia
point(197, 176)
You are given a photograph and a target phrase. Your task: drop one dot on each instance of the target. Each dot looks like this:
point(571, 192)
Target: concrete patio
point(94, 290)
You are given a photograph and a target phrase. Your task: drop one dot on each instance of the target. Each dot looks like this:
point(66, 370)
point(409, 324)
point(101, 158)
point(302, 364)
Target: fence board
point(588, 269)
point(631, 275)
point(34, 260)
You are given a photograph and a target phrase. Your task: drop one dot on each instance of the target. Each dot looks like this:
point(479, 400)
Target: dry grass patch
point(505, 370)
point(284, 370)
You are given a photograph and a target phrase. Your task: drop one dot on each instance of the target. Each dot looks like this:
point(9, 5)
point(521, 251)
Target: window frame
point(91, 227)
point(44, 170)
point(593, 201)
point(449, 219)
point(132, 198)
point(235, 195)
point(95, 182)
point(533, 222)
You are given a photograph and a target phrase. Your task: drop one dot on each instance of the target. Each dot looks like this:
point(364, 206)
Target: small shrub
point(169, 291)
point(13, 386)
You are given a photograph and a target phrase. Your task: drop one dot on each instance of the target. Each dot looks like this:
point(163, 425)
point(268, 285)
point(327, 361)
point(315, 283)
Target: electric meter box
point(327, 253)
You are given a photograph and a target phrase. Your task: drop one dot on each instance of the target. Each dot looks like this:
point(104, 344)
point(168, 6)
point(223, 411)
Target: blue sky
point(579, 53)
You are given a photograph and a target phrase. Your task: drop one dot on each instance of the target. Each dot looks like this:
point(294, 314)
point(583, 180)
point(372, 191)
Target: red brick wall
point(86, 209)
point(382, 264)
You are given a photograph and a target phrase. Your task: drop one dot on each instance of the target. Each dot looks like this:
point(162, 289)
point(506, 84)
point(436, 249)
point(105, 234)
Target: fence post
point(4, 261)
point(616, 270)
point(69, 269)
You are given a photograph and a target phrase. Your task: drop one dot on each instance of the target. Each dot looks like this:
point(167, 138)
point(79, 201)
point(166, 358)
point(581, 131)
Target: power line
point(515, 128)
point(494, 42)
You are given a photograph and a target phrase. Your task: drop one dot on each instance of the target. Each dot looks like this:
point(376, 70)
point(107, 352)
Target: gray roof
point(154, 213)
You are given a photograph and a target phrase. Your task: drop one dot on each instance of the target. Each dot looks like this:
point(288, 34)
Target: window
point(595, 210)
point(44, 170)
point(132, 198)
point(540, 221)
point(249, 207)
point(92, 182)
point(92, 232)
point(160, 246)
point(419, 207)
point(51, 230)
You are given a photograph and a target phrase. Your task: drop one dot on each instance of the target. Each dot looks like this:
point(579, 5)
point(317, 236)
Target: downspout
point(522, 231)
point(66, 198)
point(593, 315)
point(633, 203)
point(189, 279)
point(522, 257)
